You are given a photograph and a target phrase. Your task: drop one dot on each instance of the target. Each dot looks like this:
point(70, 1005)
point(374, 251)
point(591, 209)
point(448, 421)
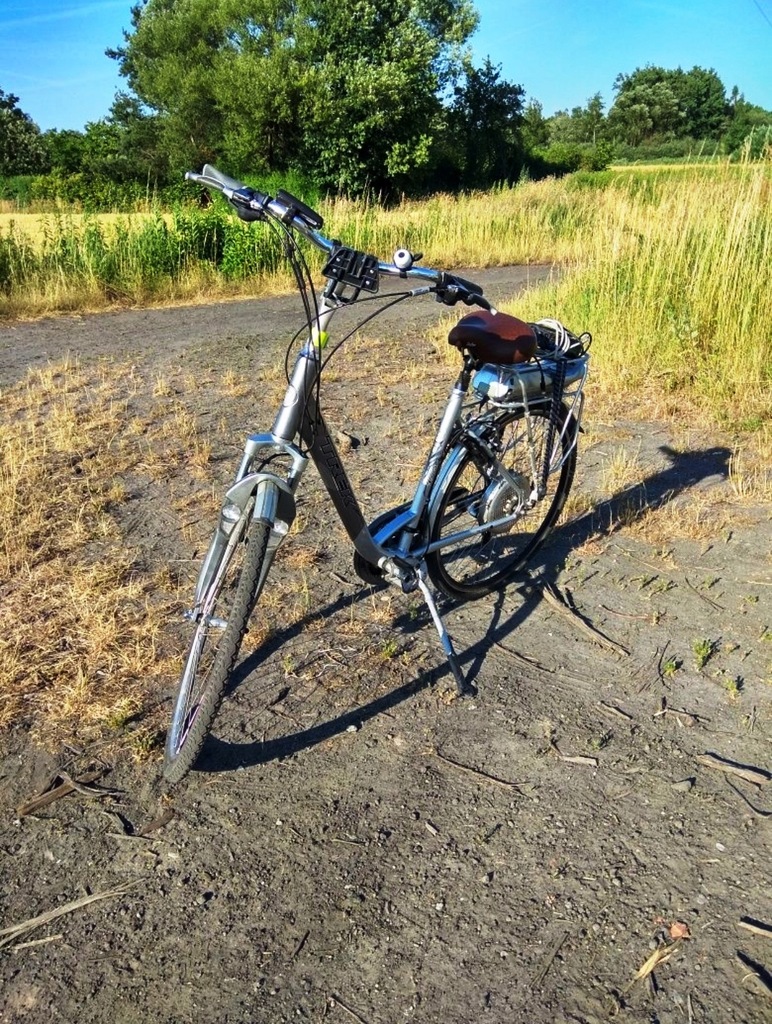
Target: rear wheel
point(214, 648)
point(476, 493)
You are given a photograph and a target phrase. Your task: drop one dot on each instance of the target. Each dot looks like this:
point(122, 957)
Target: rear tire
point(214, 649)
point(475, 493)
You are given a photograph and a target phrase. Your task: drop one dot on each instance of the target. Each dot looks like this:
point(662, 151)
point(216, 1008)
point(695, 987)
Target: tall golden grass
point(675, 282)
point(671, 270)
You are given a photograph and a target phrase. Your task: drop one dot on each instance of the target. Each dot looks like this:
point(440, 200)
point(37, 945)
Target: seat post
point(465, 375)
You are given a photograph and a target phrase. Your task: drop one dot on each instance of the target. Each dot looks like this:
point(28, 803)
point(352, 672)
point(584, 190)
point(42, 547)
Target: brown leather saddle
point(494, 338)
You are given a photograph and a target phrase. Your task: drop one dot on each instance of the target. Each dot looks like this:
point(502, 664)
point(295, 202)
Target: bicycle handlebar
point(252, 205)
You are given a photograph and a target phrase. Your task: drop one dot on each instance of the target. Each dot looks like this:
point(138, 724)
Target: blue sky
point(560, 51)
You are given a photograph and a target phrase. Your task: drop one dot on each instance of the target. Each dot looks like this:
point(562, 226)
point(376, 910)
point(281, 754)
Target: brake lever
point(475, 299)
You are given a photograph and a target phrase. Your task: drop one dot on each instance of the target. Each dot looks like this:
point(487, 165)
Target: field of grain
point(670, 268)
point(39, 228)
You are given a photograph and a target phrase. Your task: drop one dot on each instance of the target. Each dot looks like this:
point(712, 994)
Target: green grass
point(702, 649)
point(670, 268)
point(675, 282)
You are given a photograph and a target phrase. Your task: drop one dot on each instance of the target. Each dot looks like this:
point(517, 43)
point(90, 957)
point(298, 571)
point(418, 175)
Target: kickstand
point(463, 688)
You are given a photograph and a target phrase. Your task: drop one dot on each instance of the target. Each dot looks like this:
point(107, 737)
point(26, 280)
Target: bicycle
point(494, 482)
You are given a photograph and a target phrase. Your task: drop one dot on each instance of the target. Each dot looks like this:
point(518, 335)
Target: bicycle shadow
point(629, 504)
point(632, 503)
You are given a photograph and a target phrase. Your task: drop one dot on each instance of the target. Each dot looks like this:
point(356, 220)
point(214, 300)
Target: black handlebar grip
point(299, 209)
point(477, 299)
point(468, 286)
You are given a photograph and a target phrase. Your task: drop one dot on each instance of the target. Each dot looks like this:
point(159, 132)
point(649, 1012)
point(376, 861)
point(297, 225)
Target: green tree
point(349, 92)
point(565, 127)
point(64, 150)
point(22, 150)
point(582, 125)
point(646, 106)
point(702, 102)
point(594, 119)
point(131, 143)
point(654, 102)
point(535, 127)
point(485, 124)
point(748, 124)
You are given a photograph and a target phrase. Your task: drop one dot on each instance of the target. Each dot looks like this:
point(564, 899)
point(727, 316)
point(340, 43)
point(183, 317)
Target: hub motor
point(502, 499)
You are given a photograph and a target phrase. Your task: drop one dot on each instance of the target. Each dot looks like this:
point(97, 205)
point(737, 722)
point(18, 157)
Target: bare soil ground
point(369, 849)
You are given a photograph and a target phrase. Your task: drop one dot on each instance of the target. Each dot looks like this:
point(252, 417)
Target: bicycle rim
point(214, 647)
point(476, 494)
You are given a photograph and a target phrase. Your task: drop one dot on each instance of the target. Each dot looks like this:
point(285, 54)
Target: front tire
point(214, 648)
point(475, 493)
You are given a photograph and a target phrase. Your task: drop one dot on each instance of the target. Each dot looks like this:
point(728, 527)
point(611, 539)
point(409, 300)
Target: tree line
point(371, 95)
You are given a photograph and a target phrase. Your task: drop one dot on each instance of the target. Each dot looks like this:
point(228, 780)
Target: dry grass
point(81, 617)
point(675, 282)
point(750, 468)
point(671, 270)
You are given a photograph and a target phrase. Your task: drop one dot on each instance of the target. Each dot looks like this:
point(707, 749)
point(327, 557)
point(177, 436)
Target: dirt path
point(368, 850)
point(200, 332)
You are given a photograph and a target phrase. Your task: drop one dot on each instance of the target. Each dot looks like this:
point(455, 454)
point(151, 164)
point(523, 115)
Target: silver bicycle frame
point(401, 543)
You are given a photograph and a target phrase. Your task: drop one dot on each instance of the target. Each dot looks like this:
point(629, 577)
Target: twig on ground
point(554, 597)
point(612, 709)
point(756, 927)
point(86, 790)
point(759, 813)
point(37, 942)
point(660, 673)
point(552, 953)
point(529, 663)
point(484, 776)
point(684, 718)
point(757, 776)
point(15, 931)
point(707, 600)
point(336, 999)
point(159, 822)
point(625, 615)
point(300, 945)
point(756, 971)
point(47, 797)
point(660, 956)
point(591, 762)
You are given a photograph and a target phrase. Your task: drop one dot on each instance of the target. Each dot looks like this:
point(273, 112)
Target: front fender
point(274, 502)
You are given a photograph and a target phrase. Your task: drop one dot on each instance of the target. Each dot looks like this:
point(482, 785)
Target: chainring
point(365, 570)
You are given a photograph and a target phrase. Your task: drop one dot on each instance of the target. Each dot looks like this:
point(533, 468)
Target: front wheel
point(224, 611)
point(474, 493)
